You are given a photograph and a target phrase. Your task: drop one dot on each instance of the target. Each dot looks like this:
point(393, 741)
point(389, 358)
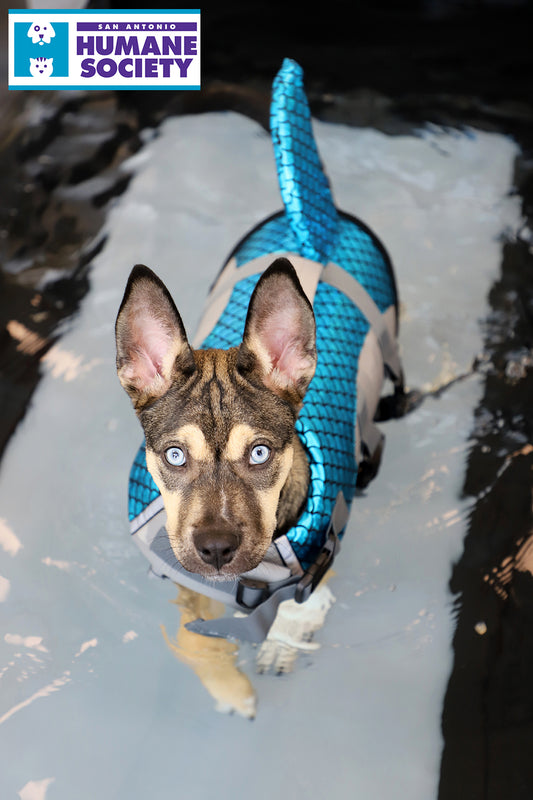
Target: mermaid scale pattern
point(309, 226)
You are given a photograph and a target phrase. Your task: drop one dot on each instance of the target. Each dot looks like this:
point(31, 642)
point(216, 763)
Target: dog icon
point(41, 31)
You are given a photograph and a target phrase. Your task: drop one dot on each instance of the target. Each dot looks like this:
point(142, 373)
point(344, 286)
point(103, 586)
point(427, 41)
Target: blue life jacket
point(347, 275)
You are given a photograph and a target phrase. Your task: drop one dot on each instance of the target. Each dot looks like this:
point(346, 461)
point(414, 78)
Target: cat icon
point(41, 67)
point(41, 31)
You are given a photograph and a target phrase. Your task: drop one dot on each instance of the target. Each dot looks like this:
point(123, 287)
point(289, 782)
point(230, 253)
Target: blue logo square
point(40, 49)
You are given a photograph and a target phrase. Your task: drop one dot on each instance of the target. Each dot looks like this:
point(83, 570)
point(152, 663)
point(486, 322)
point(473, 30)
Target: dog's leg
point(213, 660)
point(293, 629)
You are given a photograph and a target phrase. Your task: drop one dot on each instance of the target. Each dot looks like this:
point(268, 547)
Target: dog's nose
point(216, 548)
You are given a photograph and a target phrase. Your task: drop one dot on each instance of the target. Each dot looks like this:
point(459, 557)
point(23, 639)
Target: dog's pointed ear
point(279, 335)
point(152, 346)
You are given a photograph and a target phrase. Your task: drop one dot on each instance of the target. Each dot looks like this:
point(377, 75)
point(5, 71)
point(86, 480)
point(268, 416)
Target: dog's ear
point(279, 334)
point(152, 346)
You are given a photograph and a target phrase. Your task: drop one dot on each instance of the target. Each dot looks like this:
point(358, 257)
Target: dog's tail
point(303, 183)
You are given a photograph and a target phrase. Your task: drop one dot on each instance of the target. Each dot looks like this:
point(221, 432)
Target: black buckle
point(250, 593)
point(318, 569)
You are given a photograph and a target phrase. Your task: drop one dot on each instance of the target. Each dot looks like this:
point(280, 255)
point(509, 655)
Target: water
point(94, 703)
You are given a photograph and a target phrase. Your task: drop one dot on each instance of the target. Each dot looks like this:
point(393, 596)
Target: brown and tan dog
point(219, 424)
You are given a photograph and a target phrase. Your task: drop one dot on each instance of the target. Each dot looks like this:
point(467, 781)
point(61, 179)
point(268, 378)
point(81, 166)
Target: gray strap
point(252, 628)
point(342, 280)
point(308, 271)
point(340, 514)
point(368, 432)
point(309, 274)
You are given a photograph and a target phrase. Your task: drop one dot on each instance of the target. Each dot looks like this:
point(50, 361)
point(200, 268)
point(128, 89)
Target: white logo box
point(80, 49)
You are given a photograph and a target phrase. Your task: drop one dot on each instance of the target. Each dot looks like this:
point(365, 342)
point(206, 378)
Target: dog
point(256, 436)
point(255, 441)
point(219, 425)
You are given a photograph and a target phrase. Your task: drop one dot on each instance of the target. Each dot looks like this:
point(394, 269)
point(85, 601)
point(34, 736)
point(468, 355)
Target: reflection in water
point(214, 660)
point(503, 577)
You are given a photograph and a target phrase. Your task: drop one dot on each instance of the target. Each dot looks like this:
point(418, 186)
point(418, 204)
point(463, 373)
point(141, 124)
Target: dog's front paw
point(293, 630)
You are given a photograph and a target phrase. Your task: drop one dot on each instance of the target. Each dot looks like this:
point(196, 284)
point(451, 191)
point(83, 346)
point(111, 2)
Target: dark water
point(392, 66)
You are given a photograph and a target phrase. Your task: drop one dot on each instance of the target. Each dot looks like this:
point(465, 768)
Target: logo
point(104, 49)
point(40, 49)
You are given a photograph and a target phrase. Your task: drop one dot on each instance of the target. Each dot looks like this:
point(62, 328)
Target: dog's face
point(219, 424)
point(41, 31)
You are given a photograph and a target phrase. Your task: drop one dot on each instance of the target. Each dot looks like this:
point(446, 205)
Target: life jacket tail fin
point(303, 183)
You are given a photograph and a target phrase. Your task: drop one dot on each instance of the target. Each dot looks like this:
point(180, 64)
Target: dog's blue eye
point(259, 454)
point(175, 456)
